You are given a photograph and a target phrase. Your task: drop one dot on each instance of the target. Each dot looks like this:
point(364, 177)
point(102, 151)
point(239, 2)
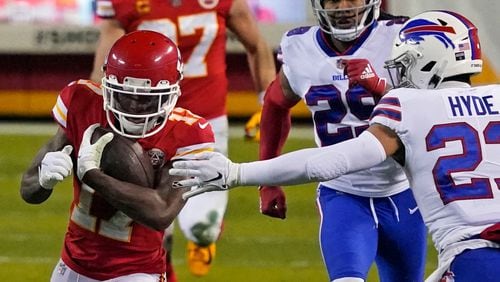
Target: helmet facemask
point(135, 109)
point(141, 83)
point(348, 23)
point(402, 71)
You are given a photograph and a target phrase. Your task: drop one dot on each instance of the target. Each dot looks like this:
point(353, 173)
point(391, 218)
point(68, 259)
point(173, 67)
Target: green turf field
point(252, 247)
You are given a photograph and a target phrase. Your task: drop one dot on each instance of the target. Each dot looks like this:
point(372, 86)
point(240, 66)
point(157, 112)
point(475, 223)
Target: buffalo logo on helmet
point(415, 31)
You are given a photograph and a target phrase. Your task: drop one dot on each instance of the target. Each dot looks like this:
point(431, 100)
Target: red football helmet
point(141, 83)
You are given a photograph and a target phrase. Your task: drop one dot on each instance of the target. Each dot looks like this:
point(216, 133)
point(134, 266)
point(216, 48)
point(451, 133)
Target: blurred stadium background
point(47, 43)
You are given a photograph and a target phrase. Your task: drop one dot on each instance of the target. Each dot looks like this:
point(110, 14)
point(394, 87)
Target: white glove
point(89, 156)
point(55, 167)
point(209, 171)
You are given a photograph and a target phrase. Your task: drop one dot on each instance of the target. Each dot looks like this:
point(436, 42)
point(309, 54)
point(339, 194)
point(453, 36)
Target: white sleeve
point(315, 164)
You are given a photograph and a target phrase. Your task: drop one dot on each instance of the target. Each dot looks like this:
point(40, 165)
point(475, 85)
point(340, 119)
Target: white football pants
point(62, 273)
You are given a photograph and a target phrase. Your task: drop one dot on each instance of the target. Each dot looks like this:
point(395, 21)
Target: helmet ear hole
point(435, 81)
point(428, 67)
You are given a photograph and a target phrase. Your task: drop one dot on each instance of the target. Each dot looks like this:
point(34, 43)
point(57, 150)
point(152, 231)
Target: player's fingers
point(281, 210)
point(269, 212)
point(276, 213)
point(59, 170)
point(57, 177)
point(353, 71)
point(66, 166)
point(103, 141)
point(182, 164)
point(187, 183)
point(189, 194)
point(67, 149)
point(190, 165)
point(65, 163)
point(193, 159)
point(185, 172)
point(87, 134)
point(197, 191)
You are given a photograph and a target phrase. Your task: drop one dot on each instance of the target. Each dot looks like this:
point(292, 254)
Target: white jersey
point(340, 113)
point(452, 155)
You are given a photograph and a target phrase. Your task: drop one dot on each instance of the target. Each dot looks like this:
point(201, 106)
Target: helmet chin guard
point(141, 83)
point(134, 109)
point(364, 15)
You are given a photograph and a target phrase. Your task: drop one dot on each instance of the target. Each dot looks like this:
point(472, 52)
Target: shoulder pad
point(298, 30)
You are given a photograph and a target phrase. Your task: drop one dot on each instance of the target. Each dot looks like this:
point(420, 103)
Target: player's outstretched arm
point(276, 124)
point(51, 165)
point(213, 171)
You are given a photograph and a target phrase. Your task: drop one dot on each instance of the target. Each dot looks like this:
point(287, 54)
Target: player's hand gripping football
point(89, 155)
point(55, 167)
point(208, 171)
point(252, 127)
point(272, 201)
point(361, 72)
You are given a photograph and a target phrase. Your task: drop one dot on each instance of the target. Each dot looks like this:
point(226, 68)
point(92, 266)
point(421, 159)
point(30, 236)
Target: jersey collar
point(325, 45)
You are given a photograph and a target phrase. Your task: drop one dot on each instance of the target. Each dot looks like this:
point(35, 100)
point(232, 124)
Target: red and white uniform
point(102, 242)
point(199, 30)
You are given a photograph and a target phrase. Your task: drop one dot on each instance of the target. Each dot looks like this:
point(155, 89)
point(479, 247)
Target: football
point(125, 160)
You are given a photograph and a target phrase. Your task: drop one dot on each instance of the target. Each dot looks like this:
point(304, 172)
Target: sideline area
point(236, 129)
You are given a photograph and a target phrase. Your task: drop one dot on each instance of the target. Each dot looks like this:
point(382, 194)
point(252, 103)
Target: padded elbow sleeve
point(355, 154)
point(315, 164)
point(275, 122)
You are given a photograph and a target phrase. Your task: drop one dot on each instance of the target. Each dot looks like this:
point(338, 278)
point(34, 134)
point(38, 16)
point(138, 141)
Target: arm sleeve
point(315, 164)
point(275, 121)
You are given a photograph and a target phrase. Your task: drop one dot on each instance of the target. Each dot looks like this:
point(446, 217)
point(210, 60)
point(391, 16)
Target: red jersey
point(199, 30)
point(102, 242)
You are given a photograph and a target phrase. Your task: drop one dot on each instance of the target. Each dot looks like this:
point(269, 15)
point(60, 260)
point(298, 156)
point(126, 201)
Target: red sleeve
point(190, 134)
point(275, 121)
point(62, 105)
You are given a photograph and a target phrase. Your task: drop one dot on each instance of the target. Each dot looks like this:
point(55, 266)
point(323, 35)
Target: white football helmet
point(432, 46)
point(346, 24)
point(141, 83)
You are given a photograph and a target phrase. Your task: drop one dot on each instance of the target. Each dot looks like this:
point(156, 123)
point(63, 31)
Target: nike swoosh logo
point(203, 125)
point(219, 176)
point(412, 211)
